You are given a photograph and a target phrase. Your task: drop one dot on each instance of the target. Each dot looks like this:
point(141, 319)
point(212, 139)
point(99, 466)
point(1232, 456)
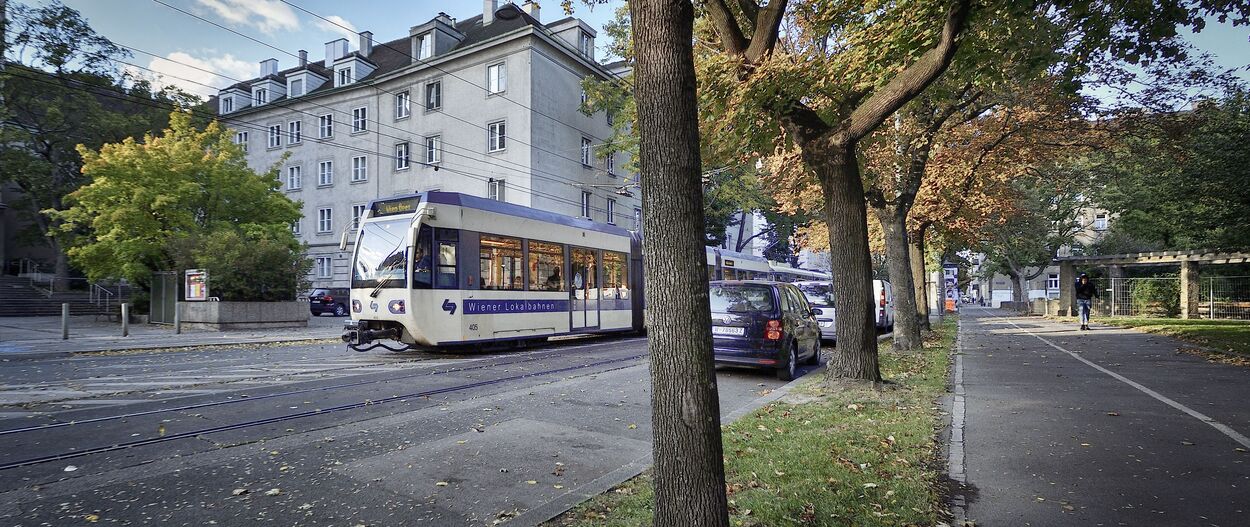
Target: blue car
point(763, 324)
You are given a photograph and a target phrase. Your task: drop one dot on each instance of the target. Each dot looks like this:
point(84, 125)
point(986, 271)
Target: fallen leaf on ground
point(441, 484)
point(238, 492)
point(273, 492)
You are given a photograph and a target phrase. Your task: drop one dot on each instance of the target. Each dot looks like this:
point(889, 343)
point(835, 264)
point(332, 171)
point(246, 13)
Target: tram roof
point(510, 209)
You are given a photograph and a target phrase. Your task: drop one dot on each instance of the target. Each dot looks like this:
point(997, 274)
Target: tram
point(442, 269)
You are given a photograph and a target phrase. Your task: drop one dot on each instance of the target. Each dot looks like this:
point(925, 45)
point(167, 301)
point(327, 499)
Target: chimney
point(303, 58)
point(445, 18)
point(488, 11)
point(531, 8)
point(366, 43)
point(268, 67)
point(335, 49)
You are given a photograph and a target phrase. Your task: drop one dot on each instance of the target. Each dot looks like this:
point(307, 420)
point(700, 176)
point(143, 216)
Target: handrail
point(98, 296)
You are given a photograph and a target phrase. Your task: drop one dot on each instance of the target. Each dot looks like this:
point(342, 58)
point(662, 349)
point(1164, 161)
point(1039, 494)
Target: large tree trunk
point(1018, 293)
point(838, 170)
point(685, 409)
point(894, 227)
point(915, 246)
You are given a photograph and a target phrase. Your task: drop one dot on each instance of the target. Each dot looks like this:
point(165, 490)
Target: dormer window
point(586, 44)
point(344, 77)
point(425, 46)
point(297, 87)
point(260, 96)
point(227, 104)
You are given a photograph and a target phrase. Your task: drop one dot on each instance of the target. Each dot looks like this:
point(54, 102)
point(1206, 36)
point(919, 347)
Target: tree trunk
point(685, 408)
point(838, 171)
point(1018, 292)
point(915, 246)
point(894, 227)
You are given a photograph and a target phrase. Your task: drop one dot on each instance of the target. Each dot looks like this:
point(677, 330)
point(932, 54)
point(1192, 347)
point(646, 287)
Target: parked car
point(820, 295)
point(333, 300)
point(884, 293)
point(763, 324)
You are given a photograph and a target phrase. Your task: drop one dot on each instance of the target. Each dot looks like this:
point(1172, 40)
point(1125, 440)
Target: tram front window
point(382, 257)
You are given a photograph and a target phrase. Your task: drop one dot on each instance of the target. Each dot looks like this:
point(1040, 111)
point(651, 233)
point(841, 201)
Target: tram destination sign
point(392, 207)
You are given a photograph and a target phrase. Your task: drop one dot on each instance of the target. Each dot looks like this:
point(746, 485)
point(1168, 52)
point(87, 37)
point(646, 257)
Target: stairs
point(19, 299)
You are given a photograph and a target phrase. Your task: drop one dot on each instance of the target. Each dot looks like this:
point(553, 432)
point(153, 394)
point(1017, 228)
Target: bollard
point(177, 320)
point(125, 319)
point(64, 321)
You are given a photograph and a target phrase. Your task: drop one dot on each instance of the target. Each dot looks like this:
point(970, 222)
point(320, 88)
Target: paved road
point(1105, 427)
point(197, 437)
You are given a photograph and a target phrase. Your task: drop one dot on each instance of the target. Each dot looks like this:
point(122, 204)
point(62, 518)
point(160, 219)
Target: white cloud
point(340, 26)
point(194, 72)
point(265, 15)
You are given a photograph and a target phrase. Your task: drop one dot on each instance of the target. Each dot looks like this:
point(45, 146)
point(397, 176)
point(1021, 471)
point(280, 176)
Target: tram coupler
point(356, 334)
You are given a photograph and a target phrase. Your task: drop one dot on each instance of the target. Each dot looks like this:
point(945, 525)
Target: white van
point(883, 295)
point(820, 295)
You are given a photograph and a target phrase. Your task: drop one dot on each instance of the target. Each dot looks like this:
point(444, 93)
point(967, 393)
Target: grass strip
point(824, 456)
point(1228, 335)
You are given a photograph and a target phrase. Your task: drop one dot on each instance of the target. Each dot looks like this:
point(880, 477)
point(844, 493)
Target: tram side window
point(546, 262)
point(445, 276)
point(501, 263)
point(422, 268)
point(615, 275)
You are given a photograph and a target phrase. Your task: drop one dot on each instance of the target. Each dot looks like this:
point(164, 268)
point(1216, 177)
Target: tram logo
point(486, 307)
point(449, 306)
point(373, 306)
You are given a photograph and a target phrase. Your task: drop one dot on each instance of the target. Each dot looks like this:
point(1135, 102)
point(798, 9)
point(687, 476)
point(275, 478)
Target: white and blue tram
point(446, 269)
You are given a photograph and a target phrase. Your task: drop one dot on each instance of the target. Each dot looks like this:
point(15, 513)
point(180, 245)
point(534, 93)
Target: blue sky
point(149, 26)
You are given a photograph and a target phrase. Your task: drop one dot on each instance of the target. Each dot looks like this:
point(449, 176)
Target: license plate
point(729, 331)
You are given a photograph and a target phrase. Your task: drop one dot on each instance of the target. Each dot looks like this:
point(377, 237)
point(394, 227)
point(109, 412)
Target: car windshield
point(381, 258)
point(818, 294)
point(319, 292)
point(741, 298)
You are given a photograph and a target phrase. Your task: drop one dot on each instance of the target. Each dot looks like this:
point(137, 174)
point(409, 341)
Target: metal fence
point(1220, 297)
point(1224, 297)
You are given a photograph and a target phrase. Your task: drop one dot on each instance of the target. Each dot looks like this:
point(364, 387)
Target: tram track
point(532, 357)
point(76, 453)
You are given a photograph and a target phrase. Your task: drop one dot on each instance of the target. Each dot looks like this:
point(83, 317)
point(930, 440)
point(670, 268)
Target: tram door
point(584, 288)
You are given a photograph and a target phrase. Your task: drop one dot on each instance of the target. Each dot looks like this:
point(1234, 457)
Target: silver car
point(820, 295)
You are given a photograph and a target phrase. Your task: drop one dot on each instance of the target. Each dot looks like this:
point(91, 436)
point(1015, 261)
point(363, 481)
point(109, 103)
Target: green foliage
point(1159, 297)
point(148, 201)
point(264, 264)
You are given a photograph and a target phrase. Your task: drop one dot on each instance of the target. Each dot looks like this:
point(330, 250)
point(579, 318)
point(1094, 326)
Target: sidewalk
point(41, 336)
point(1102, 427)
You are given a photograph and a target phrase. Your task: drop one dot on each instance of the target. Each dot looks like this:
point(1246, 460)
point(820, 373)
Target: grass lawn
point(819, 457)
point(1228, 335)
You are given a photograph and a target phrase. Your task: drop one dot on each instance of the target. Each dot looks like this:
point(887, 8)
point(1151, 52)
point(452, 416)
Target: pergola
point(1115, 263)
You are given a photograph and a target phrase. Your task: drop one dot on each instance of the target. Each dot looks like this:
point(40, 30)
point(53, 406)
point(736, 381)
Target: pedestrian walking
point(1085, 295)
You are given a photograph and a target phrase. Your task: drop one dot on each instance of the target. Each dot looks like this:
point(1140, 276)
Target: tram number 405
point(472, 327)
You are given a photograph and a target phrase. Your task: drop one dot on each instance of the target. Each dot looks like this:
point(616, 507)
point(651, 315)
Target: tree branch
point(726, 27)
point(767, 27)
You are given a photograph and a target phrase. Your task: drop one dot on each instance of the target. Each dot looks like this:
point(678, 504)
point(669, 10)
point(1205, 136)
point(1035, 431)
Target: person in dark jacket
point(1085, 295)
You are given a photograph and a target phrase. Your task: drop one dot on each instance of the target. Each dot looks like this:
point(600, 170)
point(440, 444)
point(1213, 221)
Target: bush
point(1157, 297)
point(249, 266)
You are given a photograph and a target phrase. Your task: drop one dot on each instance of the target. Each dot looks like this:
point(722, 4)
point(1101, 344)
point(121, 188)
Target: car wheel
point(791, 368)
point(815, 360)
point(339, 310)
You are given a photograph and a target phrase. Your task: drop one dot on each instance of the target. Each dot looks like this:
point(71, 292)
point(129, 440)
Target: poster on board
point(197, 285)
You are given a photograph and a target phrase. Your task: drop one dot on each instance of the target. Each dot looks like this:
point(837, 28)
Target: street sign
point(950, 281)
point(197, 285)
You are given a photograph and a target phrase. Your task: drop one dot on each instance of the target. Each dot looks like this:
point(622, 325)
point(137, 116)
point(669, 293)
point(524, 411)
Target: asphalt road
point(1102, 427)
point(316, 435)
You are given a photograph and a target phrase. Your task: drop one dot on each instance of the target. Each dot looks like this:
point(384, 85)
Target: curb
point(34, 355)
point(552, 509)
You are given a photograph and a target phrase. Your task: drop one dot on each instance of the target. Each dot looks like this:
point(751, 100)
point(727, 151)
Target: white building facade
point(487, 106)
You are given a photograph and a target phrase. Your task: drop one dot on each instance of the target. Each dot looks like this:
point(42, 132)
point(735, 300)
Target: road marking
point(956, 459)
point(1223, 428)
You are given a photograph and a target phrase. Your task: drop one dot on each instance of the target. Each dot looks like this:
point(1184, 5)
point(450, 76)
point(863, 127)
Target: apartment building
point(1093, 222)
point(487, 106)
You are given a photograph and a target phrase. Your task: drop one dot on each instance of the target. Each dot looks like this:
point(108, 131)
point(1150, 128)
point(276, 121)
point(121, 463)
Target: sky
point(148, 26)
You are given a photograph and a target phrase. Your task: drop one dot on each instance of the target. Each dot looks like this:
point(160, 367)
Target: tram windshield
point(382, 257)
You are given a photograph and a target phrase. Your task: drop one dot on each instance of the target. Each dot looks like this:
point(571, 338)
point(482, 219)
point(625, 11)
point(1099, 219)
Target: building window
point(325, 267)
point(501, 264)
point(260, 96)
point(360, 168)
point(275, 136)
point(433, 95)
point(358, 213)
point(425, 46)
point(611, 117)
point(1100, 221)
point(294, 177)
point(325, 126)
point(637, 219)
point(297, 87)
point(585, 97)
point(586, 151)
point(360, 119)
point(295, 130)
point(586, 44)
point(585, 204)
point(325, 173)
point(1052, 282)
point(496, 136)
point(344, 77)
point(610, 163)
point(295, 229)
point(612, 211)
point(240, 139)
point(227, 104)
point(325, 220)
point(403, 105)
point(494, 189)
point(402, 157)
point(433, 149)
point(496, 78)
